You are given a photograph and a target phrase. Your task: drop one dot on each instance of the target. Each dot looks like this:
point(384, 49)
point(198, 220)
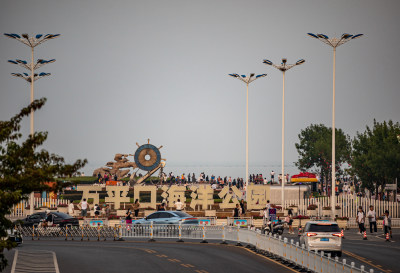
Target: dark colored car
point(58, 218)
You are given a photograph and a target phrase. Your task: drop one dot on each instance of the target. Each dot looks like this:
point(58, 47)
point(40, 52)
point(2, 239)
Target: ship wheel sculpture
point(148, 158)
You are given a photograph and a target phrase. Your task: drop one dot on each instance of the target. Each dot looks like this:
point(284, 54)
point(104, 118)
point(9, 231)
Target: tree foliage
point(24, 168)
point(315, 149)
point(376, 155)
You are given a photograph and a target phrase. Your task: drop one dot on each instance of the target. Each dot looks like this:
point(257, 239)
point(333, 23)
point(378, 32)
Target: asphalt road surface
point(374, 253)
point(170, 256)
point(139, 256)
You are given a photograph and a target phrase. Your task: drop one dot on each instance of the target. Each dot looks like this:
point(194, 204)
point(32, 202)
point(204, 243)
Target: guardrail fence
point(271, 246)
point(348, 205)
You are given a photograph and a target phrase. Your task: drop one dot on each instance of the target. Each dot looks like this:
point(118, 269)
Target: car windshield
point(62, 215)
point(182, 214)
point(324, 228)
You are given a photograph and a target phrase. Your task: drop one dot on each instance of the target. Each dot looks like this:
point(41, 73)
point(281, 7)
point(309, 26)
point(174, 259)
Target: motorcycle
point(273, 227)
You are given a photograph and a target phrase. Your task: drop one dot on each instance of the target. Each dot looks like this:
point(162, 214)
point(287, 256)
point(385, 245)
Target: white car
point(322, 236)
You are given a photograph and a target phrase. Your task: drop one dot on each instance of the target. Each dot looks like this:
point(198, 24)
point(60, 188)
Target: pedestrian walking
point(84, 206)
point(372, 219)
point(387, 224)
point(97, 210)
point(136, 207)
point(179, 205)
point(236, 211)
point(273, 176)
point(128, 217)
point(242, 207)
point(71, 208)
point(361, 219)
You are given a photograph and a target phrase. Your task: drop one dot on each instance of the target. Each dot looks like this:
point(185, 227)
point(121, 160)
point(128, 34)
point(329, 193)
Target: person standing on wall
point(84, 206)
point(136, 207)
point(372, 219)
point(273, 176)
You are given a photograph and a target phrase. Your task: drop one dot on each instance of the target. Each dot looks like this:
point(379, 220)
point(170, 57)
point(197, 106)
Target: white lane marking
point(55, 262)
point(14, 262)
point(35, 262)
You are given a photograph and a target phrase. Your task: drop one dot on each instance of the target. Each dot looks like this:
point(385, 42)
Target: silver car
point(322, 236)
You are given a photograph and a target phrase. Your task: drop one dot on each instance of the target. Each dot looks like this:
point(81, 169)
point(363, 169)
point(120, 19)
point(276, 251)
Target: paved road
point(142, 256)
point(373, 253)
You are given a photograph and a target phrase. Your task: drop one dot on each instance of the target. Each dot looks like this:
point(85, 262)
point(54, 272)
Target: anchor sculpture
point(147, 158)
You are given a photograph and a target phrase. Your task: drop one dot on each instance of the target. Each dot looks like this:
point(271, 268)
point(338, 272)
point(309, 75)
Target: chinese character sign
point(153, 195)
point(257, 196)
point(117, 194)
point(173, 193)
point(89, 191)
point(202, 195)
point(227, 197)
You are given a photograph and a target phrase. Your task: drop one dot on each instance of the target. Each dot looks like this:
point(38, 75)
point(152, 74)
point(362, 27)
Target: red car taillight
point(337, 234)
point(309, 234)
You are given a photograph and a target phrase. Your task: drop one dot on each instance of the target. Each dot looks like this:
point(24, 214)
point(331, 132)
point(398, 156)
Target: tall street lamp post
point(283, 67)
point(32, 42)
point(334, 43)
point(247, 80)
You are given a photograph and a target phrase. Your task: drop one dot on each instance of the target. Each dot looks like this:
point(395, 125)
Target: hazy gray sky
point(131, 70)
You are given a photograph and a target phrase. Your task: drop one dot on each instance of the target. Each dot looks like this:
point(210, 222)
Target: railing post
point(66, 233)
point(98, 232)
point(151, 232)
point(336, 262)
point(237, 236)
point(204, 235)
point(180, 233)
point(120, 233)
point(33, 232)
point(82, 233)
point(223, 235)
point(362, 268)
point(115, 233)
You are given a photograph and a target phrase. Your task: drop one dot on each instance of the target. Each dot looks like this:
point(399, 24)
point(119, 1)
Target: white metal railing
point(348, 205)
point(22, 208)
point(273, 246)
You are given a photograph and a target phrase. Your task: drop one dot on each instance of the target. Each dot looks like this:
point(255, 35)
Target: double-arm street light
point(334, 43)
point(247, 80)
point(32, 42)
point(283, 67)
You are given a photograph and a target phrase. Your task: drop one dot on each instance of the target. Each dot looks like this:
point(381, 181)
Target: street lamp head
point(247, 79)
point(322, 36)
point(284, 66)
point(313, 35)
point(357, 36)
point(31, 41)
point(335, 42)
point(268, 62)
point(346, 36)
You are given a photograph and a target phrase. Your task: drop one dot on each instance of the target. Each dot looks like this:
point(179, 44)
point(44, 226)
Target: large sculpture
point(147, 158)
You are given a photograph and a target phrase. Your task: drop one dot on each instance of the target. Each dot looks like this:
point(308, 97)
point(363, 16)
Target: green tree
point(376, 155)
point(315, 150)
point(24, 168)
